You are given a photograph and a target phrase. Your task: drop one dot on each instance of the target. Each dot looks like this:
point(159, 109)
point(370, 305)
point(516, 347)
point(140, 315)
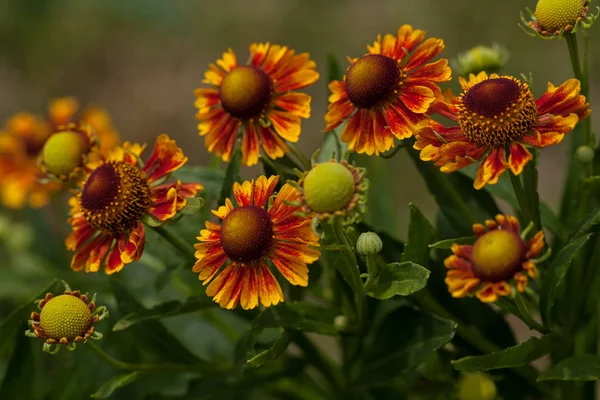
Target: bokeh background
point(142, 59)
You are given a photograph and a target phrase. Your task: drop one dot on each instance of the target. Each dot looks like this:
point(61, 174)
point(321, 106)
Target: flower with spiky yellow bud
point(476, 386)
point(480, 58)
point(66, 319)
point(67, 150)
point(333, 189)
point(554, 18)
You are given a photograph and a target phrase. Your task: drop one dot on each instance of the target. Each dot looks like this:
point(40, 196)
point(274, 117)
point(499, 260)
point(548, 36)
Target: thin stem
point(571, 40)
point(521, 198)
point(393, 152)
point(527, 317)
point(318, 360)
point(300, 156)
point(184, 248)
point(373, 269)
point(202, 368)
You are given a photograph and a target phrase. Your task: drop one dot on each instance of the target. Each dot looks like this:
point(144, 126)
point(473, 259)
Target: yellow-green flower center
point(115, 197)
point(553, 15)
point(496, 111)
point(246, 92)
point(497, 255)
point(64, 151)
point(65, 316)
point(328, 187)
point(247, 233)
point(371, 80)
point(476, 386)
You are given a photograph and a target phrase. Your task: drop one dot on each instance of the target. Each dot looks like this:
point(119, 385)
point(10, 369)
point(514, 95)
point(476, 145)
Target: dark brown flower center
point(247, 234)
point(246, 92)
point(371, 80)
point(496, 111)
point(497, 255)
point(115, 197)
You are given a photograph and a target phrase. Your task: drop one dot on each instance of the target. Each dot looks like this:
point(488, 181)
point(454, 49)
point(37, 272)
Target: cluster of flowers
point(390, 93)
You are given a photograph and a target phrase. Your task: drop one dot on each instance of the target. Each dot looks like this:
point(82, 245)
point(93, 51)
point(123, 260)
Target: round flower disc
point(63, 152)
point(553, 15)
point(247, 233)
point(328, 187)
point(65, 316)
point(371, 79)
point(497, 255)
point(245, 92)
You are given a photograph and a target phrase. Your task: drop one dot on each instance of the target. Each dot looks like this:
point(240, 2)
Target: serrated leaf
point(516, 356)
point(420, 234)
point(302, 316)
point(555, 275)
point(277, 349)
point(106, 390)
point(447, 243)
point(399, 279)
point(164, 310)
point(585, 367)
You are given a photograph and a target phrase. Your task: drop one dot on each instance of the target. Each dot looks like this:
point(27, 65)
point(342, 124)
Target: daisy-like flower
point(554, 18)
point(257, 100)
point(499, 262)
point(497, 115)
point(250, 235)
point(66, 319)
point(116, 195)
point(387, 92)
point(333, 189)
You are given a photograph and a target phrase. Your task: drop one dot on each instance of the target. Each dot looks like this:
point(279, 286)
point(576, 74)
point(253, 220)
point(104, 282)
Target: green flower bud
point(368, 243)
point(476, 386)
point(584, 154)
point(341, 323)
point(480, 58)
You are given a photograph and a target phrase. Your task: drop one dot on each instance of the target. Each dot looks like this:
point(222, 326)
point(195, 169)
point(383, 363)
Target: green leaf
point(555, 275)
point(516, 356)
point(593, 218)
point(399, 279)
point(164, 310)
point(302, 316)
point(232, 174)
point(277, 349)
point(401, 340)
point(193, 206)
point(211, 179)
point(420, 234)
point(585, 367)
point(447, 243)
point(21, 375)
point(115, 383)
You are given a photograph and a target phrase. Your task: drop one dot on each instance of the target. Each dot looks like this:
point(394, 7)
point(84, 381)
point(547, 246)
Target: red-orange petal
point(273, 145)
point(295, 103)
point(165, 158)
point(250, 146)
point(287, 125)
point(518, 158)
point(417, 98)
point(491, 168)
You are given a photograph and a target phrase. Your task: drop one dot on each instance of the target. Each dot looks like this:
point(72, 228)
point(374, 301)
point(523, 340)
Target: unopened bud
point(368, 243)
point(477, 386)
point(584, 154)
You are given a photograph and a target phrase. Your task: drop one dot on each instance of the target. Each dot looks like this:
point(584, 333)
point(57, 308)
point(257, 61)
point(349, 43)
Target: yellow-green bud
point(584, 154)
point(480, 58)
point(341, 323)
point(65, 316)
point(64, 151)
point(477, 386)
point(368, 243)
point(328, 187)
point(553, 15)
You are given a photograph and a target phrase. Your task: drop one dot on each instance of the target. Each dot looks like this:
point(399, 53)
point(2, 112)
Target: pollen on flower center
point(115, 196)
point(371, 80)
point(328, 187)
point(245, 92)
point(496, 111)
point(553, 15)
point(65, 316)
point(497, 255)
point(247, 233)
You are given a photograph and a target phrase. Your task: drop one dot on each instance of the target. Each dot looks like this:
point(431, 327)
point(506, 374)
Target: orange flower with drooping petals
point(248, 236)
point(258, 101)
point(387, 92)
point(500, 261)
point(116, 194)
point(497, 115)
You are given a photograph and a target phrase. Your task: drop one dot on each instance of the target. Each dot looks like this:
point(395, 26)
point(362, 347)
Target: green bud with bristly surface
point(368, 243)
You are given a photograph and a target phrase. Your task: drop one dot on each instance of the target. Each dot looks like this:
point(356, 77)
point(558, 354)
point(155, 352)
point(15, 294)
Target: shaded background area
point(142, 59)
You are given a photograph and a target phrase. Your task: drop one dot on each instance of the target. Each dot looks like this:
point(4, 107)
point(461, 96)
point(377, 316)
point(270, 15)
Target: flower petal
point(492, 167)
point(518, 158)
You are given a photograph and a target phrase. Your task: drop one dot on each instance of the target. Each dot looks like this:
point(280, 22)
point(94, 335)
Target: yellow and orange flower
point(23, 139)
point(497, 115)
point(499, 262)
point(257, 100)
point(387, 92)
point(250, 235)
point(117, 193)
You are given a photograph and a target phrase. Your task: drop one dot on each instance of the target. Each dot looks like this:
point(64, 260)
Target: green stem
point(393, 152)
point(300, 156)
point(373, 269)
point(318, 360)
point(571, 40)
point(186, 249)
point(527, 317)
point(205, 368)
point(521, 198)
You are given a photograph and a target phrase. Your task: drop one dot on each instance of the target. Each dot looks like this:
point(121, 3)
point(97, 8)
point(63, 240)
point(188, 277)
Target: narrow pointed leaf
point(585, 367)
point(109, 388)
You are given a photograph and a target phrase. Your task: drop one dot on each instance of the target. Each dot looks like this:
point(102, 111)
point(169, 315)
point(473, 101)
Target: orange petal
point(227, 287)
point(165, 158)
point(250, 146)
point(269, 290)
point(295, 103)
point(223, 211)
point(132, 247)
point(262, 189)
point(417, 98)
point(518, 158)
point(438, 71)
point(425, 52)
point(492, 167)
point(287, 125)
point(337, 113)
point(273, 145)
point(250, 288)
point(563, 100)
point(487, 294)
point(351, 131)
point(62, 111)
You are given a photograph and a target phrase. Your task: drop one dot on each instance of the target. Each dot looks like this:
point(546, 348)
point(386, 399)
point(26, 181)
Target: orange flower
point(387, 92)
point(257, 101)
point(22, 141)
point(497, 115)
point(499, 261)
point(248, 236)
point(106, 215)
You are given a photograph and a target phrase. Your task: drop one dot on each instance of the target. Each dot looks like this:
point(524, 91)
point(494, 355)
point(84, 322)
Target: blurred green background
point(142, 59)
